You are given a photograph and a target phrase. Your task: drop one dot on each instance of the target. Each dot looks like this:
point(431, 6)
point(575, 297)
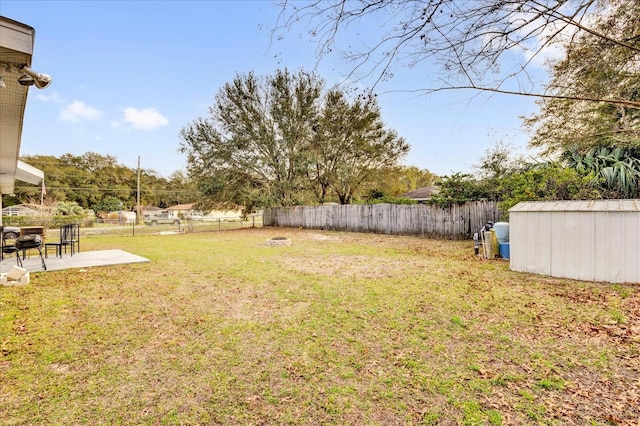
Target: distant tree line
point(99, 182)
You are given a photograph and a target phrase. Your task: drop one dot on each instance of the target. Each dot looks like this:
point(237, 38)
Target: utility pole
point(138, 209)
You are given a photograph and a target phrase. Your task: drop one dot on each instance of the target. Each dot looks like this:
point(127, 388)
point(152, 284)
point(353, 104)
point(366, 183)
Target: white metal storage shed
point(597, 240)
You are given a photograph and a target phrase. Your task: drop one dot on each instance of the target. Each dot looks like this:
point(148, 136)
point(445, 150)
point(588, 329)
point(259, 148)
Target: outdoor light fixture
point(29, 77)
point(25, 80)
point(41, 81)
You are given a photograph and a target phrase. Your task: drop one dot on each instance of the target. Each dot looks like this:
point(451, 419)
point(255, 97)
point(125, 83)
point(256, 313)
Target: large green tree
point(599, 138)
point(251, 148)
point(350, 146)
point(283, 140)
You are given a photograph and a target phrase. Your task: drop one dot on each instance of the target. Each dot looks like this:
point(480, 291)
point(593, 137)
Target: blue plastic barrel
point(503, 249)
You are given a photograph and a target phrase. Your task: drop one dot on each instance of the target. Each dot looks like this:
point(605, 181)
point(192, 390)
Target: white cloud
point(550, 39)
point(78, 110)
point(539, 41)
point(539, 51)
point(51, 97)
point(144, 119)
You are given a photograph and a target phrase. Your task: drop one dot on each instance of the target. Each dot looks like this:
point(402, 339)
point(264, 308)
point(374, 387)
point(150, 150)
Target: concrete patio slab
point(85, 259)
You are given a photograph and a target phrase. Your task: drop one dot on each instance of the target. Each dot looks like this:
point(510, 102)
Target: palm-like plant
point(617, 170)
point(68, 208)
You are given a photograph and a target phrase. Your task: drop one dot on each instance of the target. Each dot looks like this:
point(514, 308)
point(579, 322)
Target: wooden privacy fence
point(459, 221)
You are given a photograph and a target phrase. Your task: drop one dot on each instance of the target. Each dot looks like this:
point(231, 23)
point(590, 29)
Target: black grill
point(25, 242)
point(28, 242)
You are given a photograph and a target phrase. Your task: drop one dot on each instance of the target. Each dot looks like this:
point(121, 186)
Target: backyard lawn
point(337, 328)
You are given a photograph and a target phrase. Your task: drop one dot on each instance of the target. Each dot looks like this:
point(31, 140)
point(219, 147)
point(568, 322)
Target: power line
point(170, 191)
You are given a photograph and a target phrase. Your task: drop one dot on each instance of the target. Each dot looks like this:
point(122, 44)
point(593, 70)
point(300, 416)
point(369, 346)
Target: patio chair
point(69, 236)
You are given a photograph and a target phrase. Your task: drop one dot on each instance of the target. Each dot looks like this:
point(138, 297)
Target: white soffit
point(16, 48)
point(29, 174)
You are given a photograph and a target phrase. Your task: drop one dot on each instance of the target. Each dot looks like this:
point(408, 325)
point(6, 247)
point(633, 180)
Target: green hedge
point(48, 222)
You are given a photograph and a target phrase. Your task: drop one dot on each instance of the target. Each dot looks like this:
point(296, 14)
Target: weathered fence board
point(459, 221)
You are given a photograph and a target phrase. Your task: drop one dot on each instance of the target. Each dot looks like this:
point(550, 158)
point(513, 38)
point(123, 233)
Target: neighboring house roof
point(181, 207)
point(423, 193)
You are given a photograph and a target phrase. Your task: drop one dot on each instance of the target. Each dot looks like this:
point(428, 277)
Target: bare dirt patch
point(352, 266)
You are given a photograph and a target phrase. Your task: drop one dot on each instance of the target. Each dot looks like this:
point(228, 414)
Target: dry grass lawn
point(337, 328)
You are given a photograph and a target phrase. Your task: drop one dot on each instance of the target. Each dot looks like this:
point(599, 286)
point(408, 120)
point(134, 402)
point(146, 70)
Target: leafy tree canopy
point(109, 204)
point(284, 140)
point(397, 180)
point(547, 181)
point(461, 187)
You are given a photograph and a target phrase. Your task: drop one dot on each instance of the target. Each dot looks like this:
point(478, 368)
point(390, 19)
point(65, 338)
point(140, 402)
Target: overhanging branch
point(620, 102)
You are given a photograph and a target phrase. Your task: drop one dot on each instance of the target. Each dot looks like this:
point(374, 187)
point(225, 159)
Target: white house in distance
point(19, 210)
point(181, 210)
point(187, 211)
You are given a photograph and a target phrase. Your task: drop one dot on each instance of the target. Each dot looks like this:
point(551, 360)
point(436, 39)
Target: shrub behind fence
point(459, 221)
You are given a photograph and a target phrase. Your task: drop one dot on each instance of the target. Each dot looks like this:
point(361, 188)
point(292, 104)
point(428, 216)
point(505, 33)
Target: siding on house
point(184, 210)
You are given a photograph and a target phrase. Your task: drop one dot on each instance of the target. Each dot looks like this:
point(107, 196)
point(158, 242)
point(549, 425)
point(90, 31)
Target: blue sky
point(128, 75)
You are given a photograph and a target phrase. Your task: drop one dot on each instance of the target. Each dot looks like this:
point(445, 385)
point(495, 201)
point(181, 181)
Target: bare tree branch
point(621, 102)
point(467, 39)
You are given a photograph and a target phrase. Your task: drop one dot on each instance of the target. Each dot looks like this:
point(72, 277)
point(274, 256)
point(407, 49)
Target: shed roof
point(578, 206)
